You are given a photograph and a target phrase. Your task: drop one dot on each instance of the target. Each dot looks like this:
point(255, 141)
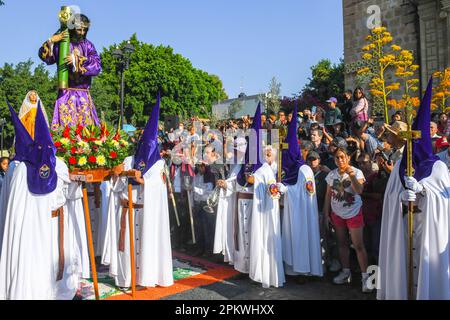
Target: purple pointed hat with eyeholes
point(423, 157)
point(292, 157)
point(252, 150)
point(147, 153)
point(41, 162)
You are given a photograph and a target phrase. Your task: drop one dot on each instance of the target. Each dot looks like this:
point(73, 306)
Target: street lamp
point(2, 125)
point(123, 63)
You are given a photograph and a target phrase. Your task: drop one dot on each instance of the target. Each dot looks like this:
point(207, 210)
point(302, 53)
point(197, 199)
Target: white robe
point(266, 260)
point(4, 196)
point(153, 253)
point(96, 221)
point(244, 211)
point(430, 239)
point(75, 209)
point(68, 285)
point(302, 252)
point(224, 234)
point(29, 259)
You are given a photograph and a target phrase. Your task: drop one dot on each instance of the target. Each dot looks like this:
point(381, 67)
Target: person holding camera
point(397, 143)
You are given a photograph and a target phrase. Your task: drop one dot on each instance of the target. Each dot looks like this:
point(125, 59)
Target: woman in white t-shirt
point(345, 184)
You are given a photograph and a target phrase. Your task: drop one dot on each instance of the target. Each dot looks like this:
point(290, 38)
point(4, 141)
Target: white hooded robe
point(302, 252)
point(430, 239)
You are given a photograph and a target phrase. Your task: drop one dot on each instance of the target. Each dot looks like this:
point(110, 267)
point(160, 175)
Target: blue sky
point(244, 42)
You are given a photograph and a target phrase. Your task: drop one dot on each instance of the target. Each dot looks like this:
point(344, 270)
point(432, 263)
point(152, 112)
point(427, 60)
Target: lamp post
point(123, 63)
point(2, 125)
point(2, 121)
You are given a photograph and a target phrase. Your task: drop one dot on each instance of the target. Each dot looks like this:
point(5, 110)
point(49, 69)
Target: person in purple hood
point(74, 105)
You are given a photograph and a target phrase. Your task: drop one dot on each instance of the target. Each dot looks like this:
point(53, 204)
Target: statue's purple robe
point(74, 105)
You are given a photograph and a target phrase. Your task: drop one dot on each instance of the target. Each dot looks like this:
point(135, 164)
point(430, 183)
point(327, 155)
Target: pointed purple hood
point(253, 151)
point(23, 141)
point(423, 157)
point(41, 162)
point(147, 152)
point(292, 157)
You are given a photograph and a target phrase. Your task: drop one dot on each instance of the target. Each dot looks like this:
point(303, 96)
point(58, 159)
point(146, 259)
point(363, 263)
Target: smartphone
point(314, 109)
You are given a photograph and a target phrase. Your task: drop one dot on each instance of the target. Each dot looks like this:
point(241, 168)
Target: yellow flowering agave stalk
point(441, 93)
point(378, 53)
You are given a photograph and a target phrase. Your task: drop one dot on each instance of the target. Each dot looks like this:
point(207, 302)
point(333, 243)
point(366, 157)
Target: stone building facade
point(422, 26)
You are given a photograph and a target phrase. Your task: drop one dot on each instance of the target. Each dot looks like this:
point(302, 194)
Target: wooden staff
point(282, 146)
point(409, 136)
point(90, 243)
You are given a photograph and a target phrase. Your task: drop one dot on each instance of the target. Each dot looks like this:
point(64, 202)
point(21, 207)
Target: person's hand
point(408, 196)
point(388, 166)
point(69, 60)
point(350, 171)
point(137, 175)
point(117, 170)
point(281, 187)
point(59, 37)
point(412, 184)
point(251, 179)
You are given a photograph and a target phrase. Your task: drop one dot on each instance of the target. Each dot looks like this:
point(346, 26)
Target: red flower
point(66, 133)
point(58, 144)
point(113, 155)
point(117, 136)
point(72, 161)
point(92, 159)
point(73, 150)
point(79, 129)
point(104, 131)
point(95, 148)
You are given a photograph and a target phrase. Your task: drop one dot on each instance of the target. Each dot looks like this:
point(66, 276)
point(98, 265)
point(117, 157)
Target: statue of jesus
point(74, 105)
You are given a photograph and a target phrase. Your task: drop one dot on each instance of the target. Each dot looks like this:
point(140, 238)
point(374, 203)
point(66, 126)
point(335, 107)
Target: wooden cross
point(409, 135)
point(282, 146)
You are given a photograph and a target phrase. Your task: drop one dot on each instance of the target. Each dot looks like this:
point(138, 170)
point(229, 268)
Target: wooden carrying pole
point(87, 218)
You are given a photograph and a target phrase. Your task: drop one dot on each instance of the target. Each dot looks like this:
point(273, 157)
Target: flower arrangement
point(91, 147)
point(273, 190)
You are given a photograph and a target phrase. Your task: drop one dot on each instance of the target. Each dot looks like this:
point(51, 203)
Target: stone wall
point(422, 26)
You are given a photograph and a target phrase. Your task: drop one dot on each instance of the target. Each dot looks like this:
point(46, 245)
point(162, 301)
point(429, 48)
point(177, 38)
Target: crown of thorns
point(81, 21)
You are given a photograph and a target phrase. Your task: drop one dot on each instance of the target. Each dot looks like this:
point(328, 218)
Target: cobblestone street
point(242, 288)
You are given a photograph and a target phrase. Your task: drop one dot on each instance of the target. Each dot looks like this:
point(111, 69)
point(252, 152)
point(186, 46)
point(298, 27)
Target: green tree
point(272, 98)
point(16, 81)
point(327, 80)
point(185, 90)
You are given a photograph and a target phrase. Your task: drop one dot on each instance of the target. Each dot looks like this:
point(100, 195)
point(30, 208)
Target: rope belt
point(76, 89)
point(123, 222)
point(59, 213)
